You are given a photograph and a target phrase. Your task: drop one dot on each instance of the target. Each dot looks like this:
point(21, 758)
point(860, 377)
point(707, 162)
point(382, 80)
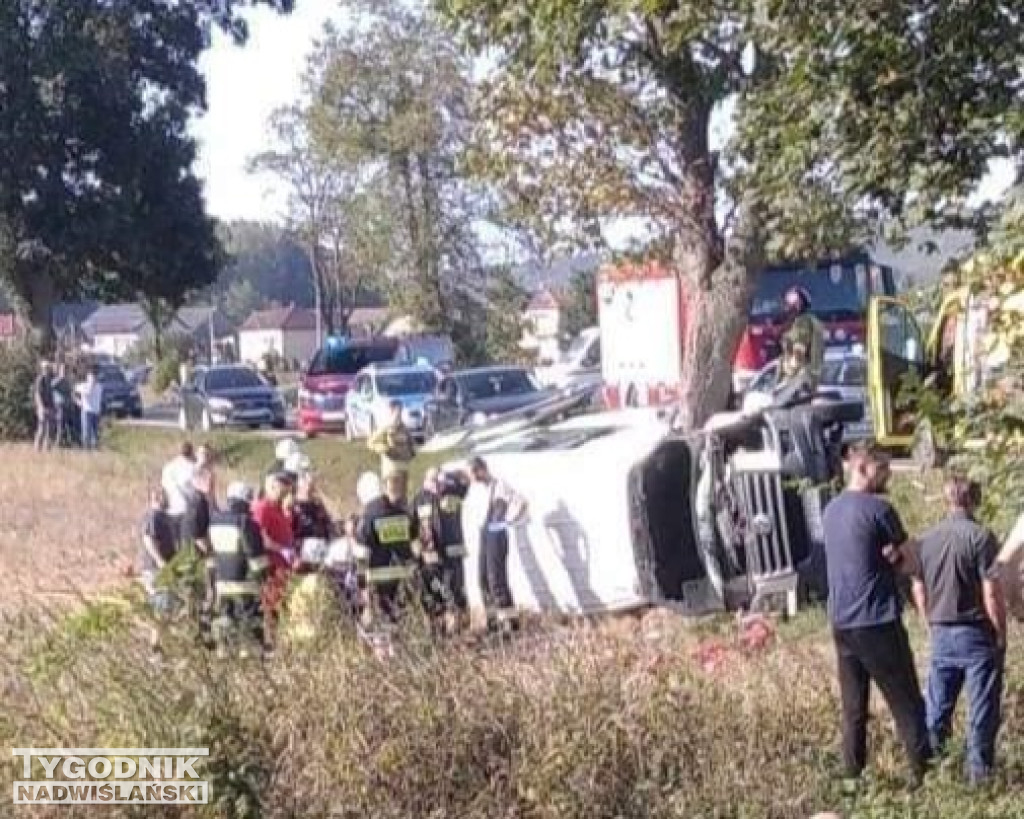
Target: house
point(114, 329)
point(66, 318)
point(287, 332)
point(542, 325)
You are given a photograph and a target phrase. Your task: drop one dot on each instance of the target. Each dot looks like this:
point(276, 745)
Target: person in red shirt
point(273, 516)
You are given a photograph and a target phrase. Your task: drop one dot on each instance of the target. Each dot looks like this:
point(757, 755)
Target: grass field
point(632, 717)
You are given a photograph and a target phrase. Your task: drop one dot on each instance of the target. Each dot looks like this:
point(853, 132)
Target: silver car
point(843, 375)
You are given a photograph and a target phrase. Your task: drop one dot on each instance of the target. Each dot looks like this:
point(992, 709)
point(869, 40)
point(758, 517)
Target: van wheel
point(925, 452)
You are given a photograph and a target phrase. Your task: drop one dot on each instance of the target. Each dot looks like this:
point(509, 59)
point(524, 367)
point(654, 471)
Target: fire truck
point(642, 311)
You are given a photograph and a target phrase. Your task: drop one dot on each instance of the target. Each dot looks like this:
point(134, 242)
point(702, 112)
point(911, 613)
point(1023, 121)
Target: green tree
point(580, 308)
point(602, 109)
point(269, 258)
point(505, 323)
point(97, 193)
point(240, 301)
point(390, 100)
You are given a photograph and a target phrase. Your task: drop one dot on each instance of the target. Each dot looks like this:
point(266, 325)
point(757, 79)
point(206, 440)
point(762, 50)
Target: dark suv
point(229, 395)
point(120, 397)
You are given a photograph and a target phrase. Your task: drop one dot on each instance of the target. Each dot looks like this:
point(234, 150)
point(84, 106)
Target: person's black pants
point(493, 576)
point(880, 654)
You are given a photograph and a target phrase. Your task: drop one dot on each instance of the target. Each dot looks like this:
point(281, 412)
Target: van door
point(896, 354)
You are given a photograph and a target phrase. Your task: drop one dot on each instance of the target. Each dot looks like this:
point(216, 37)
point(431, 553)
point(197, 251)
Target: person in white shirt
point(494, 507)
point(178, 482)
point(90, 394)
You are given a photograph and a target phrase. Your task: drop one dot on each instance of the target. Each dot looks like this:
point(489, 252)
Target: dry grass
point(621, 718)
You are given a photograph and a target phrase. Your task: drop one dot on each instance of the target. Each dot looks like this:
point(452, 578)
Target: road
point(165, 416)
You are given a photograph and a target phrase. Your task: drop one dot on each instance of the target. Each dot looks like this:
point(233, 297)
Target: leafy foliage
point(506, 302)
point(602, 110)
point(389, 106)
point(18, 369)
point(580, 307)
point(992, 409)
point(97, 192)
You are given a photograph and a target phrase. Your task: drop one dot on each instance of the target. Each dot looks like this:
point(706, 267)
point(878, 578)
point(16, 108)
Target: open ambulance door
point(896, 350)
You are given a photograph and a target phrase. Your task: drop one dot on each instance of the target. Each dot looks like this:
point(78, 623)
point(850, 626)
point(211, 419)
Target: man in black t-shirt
point(866, 547)
point(43, 402)
point(159, 545)
point(959, 590)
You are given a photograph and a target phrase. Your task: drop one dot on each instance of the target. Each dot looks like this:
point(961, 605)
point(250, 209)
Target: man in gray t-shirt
point(958, 590)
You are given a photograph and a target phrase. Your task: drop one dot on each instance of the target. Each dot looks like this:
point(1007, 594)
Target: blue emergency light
point(334, 342)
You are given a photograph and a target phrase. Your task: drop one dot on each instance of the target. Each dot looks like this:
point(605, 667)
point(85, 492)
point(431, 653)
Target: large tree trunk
point(40, 293)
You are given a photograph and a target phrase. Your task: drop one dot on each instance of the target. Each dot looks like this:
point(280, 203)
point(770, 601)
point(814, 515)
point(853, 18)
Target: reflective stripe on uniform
point(236, 588)
point(258, 564)
point(393, 529)
point(226, 539)
point(451, 504)
point(390, 574)
point(425, 511)
point(455, 550)
point(360, 552)
point(431, 558)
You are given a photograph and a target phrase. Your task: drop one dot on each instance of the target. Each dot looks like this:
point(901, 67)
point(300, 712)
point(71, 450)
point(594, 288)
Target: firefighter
point(395, 446)
point(451, 492)
point(428, 549)
point(803, 350)
point(387, 531)
point(238, 564)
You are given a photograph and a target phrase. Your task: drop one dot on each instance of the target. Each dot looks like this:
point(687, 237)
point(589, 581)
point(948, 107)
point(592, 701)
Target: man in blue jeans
point(959, 592)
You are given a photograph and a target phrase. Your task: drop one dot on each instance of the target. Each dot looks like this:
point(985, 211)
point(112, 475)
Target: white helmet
point(368, 487)
point(239, 491)
point(298, 464)
point(285, 449)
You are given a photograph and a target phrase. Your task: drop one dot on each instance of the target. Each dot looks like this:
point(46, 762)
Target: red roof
point(281, 318)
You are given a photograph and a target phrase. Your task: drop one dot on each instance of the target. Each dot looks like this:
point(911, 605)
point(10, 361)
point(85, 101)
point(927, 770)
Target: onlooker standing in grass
point(866, 546)
point(90, 393)
point(958, 590)
point(177, 482)
point(158, 549)
point(43, 401)
point(64, 405)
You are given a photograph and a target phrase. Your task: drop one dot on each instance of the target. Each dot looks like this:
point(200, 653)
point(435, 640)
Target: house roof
point(543, 299)
point(130, 319)
point(369, 316)
point(281, 318)
point(116, 319)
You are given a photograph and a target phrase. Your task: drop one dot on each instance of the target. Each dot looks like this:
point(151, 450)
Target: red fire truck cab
point(642, 313)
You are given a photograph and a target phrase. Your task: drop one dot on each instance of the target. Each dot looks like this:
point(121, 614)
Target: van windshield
point(408, 383)
point(349, 360)
point(836, 293)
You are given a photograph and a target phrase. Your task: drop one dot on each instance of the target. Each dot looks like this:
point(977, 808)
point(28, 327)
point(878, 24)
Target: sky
point(246, 85)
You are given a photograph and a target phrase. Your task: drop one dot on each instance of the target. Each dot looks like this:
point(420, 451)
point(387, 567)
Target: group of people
point(395, 554)
point(66, 413)
point(952, 573)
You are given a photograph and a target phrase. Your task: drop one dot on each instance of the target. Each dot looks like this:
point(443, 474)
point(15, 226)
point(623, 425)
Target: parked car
point(367, 405)
point(120, 396)
point(477, 395)
point(843, 376)
point(331, 375)
point(437, 351)
point(229, 395)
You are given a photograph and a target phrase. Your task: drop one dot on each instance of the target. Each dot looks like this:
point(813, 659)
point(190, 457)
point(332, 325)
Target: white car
point(843, 376)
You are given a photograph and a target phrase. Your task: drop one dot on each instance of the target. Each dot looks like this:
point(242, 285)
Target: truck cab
point(840, 292)
point(960, 356)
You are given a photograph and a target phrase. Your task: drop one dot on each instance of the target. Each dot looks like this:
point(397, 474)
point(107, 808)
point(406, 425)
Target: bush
point(165, 373)
point(18, 369)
